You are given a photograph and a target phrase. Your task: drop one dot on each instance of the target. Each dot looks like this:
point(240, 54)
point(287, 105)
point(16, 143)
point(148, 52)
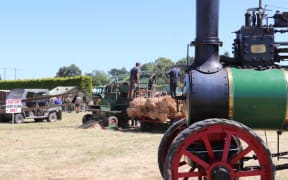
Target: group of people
point(173, 74)
point(77, 103)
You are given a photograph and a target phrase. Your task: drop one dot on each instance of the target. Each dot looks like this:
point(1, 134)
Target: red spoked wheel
point(166, 141)
point(207, 150)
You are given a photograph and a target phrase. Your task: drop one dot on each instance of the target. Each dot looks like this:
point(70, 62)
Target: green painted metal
point(260, 97)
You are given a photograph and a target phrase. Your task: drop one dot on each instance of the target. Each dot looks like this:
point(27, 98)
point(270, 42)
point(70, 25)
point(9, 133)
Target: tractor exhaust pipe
point(207, 43)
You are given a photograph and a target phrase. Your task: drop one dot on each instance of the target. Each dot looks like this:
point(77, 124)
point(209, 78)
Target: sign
point(13, 105)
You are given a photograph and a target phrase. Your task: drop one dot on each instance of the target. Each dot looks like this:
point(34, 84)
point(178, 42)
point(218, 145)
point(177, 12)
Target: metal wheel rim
point(265, 172)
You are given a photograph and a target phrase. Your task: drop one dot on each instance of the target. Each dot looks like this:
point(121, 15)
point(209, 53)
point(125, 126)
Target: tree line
point(99, 77)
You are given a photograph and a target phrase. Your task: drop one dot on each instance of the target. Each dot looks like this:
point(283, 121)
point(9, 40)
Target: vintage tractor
point(110, 105)
point(226, 98)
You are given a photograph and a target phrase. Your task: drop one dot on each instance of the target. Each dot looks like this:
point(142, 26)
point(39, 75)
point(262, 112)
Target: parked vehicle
point(35, 105)
point(3, 96)
point(111, 106)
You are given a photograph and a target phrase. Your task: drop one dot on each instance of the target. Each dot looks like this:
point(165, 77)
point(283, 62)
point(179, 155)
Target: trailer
point(148, 124)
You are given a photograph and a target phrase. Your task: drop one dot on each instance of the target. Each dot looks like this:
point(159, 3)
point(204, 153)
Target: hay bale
point(153, 114)
point(137, 102)
point(131, 112)
point(163, 117)
point(157, 108)
point(150, 105)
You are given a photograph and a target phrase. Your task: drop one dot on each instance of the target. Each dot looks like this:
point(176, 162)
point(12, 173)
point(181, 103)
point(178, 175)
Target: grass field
point(62, 151)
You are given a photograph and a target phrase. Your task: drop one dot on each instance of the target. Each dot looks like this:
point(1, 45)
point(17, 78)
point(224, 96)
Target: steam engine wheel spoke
point(226, 147)
point(240, 155)
point(209, 147)
point(189, 174)
point(196, 159)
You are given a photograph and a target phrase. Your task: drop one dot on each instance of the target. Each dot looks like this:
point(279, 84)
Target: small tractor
point(109, 110)
point(226, 98)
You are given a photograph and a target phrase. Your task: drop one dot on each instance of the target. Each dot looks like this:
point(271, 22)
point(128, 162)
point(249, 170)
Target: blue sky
point(37, 37)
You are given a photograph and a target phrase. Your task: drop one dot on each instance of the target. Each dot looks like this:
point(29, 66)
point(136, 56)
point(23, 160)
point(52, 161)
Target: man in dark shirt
point(151, 81)
point(173, 74)
point(134, 80)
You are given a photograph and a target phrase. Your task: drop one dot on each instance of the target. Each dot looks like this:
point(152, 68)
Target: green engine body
point(258, 98)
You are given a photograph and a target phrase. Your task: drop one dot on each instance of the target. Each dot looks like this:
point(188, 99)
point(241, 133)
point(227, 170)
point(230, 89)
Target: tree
point(119, 74)
point(183, 62)
point(226, 53)
point(149, 68)
point(69, 71)
point(162, 65)
point(99, 78)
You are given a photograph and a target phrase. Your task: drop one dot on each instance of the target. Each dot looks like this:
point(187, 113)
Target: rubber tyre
point(18, 118)
point(166, 141)
point(52, 117)
point(86, 118)
point(113, 118)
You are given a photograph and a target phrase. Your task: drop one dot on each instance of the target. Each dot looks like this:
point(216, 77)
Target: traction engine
point(226, 98)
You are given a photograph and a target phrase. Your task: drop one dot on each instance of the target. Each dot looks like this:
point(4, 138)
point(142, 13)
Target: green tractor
point(109, 105)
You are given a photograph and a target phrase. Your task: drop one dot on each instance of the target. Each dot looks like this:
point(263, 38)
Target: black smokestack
point(207, 42)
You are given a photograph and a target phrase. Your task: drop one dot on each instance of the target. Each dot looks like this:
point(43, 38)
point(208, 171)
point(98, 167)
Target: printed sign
point(13, 105)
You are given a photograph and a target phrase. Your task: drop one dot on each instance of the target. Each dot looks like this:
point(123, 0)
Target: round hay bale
point(153, 114)
point(163, 117)
point(131, 112)
point(150, 104)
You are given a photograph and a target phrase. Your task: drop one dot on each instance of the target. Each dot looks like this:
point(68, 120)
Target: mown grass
point(62, 151)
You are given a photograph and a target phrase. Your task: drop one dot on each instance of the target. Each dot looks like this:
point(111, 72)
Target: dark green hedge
point(84, 82)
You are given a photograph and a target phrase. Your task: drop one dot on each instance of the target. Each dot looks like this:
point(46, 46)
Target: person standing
point(78, 102)
point(173, 74)
point(151, 81)
point(134, 80)
point(58, 101)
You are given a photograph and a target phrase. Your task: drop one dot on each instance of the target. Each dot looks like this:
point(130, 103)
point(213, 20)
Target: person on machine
point(173, 74)
point(134, 80)
point(152, 80)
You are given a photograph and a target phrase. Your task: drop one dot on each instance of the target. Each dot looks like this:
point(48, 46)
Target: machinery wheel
point(195, 153)
point(123, 120)
point(113, 122)
point(123, 123)
point(52, 117)
point(86, 118)
point(18, 118)
point(166, 141)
